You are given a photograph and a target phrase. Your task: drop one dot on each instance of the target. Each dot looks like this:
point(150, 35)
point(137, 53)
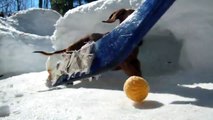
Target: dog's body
point(76, 46)
point(131, 66)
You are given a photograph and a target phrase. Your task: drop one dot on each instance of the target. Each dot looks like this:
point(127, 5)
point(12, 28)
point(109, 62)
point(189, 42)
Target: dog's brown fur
point(120, 14)
point(76, 46)
point(131, 66)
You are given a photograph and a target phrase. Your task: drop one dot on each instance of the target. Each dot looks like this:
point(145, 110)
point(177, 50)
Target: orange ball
point(136, 88)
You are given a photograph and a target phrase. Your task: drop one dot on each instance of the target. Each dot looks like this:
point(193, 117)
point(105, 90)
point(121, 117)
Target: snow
point(176, 58)
point(4, 111)
point(69, 32)
point(35, 21)
point(22, 34)
point(100, 102)
point(208, 86)
point(189, 22)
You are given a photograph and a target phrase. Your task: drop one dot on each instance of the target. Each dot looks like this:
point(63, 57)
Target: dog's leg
point(136, 65)
point(117, 68)
point(130, 69)
point(131, 66)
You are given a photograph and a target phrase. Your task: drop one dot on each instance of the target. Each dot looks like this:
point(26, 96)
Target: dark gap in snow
point(4, 110)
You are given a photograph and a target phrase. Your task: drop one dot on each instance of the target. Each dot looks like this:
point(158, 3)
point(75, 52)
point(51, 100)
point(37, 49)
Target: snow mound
point(18, 39)
point(16, 52)
point(35, 21)
point(87, 19)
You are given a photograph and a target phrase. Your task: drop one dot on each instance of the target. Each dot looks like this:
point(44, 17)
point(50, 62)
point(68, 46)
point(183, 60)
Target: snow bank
point(87, 19)
point(189, 23)
point(18, 39)
point(181, 40)
point(16, 52)
point(35, 21)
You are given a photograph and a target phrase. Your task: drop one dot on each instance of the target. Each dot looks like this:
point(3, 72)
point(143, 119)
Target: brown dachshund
point(77, 45)
point(131, 66)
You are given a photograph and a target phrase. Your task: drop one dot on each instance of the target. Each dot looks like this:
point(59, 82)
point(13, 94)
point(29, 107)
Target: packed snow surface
point(176, 59)
point(26, 97)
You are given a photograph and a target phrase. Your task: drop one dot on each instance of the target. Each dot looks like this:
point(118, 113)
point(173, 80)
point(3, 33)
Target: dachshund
point(131, 65)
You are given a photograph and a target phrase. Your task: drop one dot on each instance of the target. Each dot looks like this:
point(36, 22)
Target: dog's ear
point(114, 16)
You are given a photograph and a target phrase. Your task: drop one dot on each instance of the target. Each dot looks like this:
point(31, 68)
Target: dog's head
point(120, 14)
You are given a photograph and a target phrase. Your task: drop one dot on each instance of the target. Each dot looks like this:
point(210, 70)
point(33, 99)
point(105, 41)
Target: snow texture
point(176, 58)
